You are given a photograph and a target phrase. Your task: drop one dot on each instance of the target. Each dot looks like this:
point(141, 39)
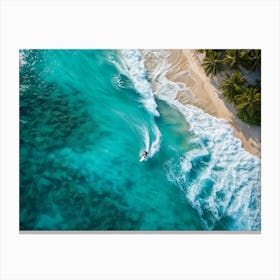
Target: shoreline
point(197, 89)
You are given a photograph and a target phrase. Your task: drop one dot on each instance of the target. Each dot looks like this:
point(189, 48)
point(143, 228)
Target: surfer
point(144, 154)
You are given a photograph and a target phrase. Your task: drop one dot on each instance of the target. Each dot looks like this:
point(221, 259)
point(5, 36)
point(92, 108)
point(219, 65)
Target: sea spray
point(221, 180)
point(131, 64)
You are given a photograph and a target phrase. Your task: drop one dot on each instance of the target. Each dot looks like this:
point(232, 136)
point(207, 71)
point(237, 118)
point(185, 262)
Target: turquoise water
point(85, 118)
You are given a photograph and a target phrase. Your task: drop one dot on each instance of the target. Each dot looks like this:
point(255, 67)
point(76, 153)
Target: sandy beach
point(184, 68)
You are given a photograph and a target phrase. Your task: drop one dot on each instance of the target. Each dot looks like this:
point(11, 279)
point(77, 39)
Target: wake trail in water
point(143, 131)
point(156, 143)
point(131, 65)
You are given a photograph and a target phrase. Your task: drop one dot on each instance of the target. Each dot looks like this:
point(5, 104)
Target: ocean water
point(85, 118)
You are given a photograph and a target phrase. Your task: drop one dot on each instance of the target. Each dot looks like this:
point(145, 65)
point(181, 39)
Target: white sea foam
point(235, 173)
point(118, 82)
point(156, 143)
point(227, 185)
point(22, 58)
point(132, 65)
point(146, 138)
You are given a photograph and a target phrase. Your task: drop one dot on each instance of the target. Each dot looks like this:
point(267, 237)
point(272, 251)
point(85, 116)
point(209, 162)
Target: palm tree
point(254, 59)
point(250, 101)
point(233, 58)
point(251, 59)
point(233, 85)
point(212, 63)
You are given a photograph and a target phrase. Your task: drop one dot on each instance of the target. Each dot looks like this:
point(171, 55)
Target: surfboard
point(142, 158)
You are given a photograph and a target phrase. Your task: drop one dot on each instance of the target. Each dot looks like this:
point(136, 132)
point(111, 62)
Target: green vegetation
point(233, 58)
point(249, 105)
point(232, 86)
point(212, 63)
point(235, 68)
point(253, 59)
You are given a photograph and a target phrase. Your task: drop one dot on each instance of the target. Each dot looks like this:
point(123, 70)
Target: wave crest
point(220, 179)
